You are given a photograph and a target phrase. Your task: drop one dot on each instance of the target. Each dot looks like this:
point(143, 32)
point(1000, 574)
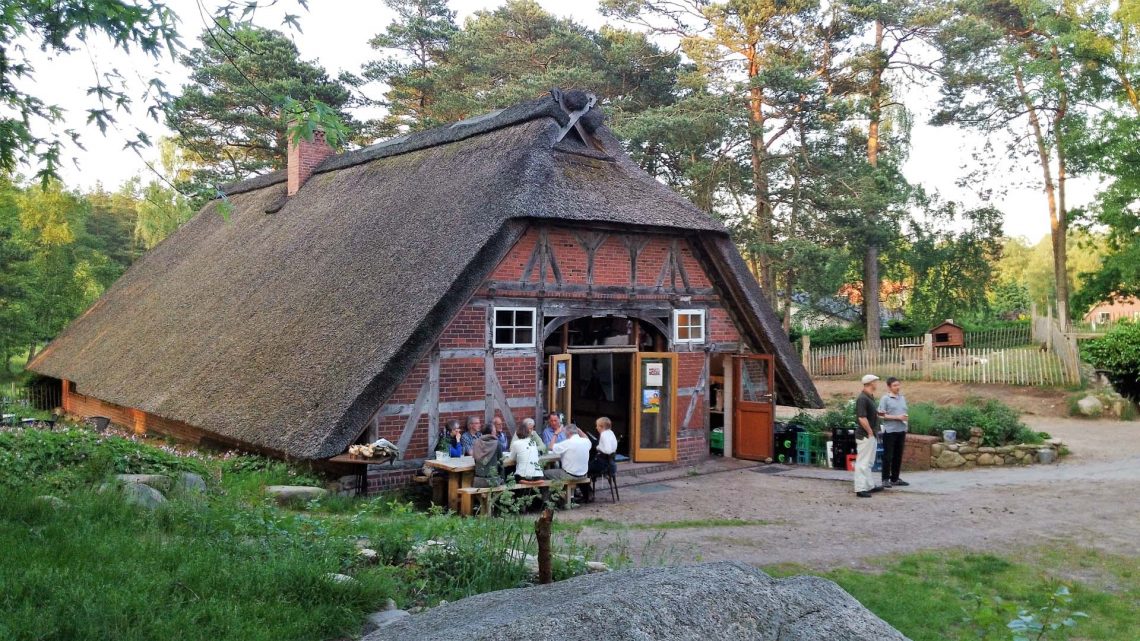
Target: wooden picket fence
point(1011, 356)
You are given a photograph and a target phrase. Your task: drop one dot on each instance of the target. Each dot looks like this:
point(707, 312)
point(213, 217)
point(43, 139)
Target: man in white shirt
point(574, 453)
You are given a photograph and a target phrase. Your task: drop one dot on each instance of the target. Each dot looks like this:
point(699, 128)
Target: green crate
point(716, 440)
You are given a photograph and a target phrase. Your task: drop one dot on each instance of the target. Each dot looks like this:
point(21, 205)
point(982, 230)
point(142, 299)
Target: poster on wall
point(651, 401)
point(654, 374)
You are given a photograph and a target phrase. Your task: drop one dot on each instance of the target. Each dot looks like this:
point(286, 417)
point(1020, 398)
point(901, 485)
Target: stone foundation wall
point(972, 453)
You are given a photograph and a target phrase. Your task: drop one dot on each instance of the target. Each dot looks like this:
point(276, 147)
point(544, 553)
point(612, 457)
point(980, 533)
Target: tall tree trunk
point(760, 183)
point(1061, 235)
point(793, 220)
point(1056, 220)
point(871, 313)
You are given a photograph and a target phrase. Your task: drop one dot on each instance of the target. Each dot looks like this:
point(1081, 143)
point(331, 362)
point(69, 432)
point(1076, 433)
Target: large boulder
point(158, 481)
point(295, 494)
point(143, 495)
point(1090, 406)
point(703, 602)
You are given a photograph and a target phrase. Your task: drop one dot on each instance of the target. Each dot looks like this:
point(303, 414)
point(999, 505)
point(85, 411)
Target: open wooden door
point(654, 410)
point(559, 387)
point(754, 407)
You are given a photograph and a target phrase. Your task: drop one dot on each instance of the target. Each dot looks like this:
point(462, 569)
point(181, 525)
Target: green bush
point(1000, 423)
point(1118, 352)
point(62, 458)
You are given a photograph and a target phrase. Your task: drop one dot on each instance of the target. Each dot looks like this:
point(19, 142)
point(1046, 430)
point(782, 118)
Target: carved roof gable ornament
point(578, 105)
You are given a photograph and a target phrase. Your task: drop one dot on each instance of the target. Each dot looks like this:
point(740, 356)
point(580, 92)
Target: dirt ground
point(1036, 401)
point(771, 514)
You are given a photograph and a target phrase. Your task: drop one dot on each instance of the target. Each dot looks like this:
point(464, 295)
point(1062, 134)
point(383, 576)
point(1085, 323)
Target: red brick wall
point(138, 421)
point(304, 156)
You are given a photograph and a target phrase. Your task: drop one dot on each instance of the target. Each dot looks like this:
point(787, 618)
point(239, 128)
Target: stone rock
point(953, 447)
point(340, 579)
point(1005, 449)
point(1090, 406)
point(286, 494)
point(949, 459)
point(368, 555)
point(987, 450)
point(1046, 455)
point(936, 449)
point(967, 449)
point(970, 457)
point(702, 602)
point(596, 566)
point(362, 542)
point(154, 480)
point(986, 459)
point(427, 547)
point(53, 501)
point(380, 620)
point(191, 483)
point(998, 459)
point(143, 495)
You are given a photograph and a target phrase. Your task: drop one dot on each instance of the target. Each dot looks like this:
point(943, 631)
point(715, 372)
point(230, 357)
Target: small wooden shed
point(948, 334)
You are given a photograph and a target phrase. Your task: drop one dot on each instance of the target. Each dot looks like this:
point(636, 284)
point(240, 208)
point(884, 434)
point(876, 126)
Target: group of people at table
point(493, 447)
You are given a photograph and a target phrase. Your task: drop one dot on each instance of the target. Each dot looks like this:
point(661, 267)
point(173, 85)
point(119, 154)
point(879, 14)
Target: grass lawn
point(957, 595)
point(229, 564)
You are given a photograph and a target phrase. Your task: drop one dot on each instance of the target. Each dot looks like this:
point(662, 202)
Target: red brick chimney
point(304, 156)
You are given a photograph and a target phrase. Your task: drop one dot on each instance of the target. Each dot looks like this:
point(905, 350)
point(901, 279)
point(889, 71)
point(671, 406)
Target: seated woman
point(452, 443)
point(525, 454)
point(488, 461)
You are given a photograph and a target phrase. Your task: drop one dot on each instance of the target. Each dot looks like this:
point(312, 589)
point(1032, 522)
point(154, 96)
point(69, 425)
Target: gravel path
point(803, 516)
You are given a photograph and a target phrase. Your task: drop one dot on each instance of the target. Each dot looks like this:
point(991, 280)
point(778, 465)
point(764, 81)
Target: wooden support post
point(805, 342)
point(565, 337)
point(635, 330)
point(927, 356)
point(542, 536)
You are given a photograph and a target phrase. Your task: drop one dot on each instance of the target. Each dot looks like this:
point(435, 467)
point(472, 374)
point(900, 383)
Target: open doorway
point(602, 387)
point(592, 372)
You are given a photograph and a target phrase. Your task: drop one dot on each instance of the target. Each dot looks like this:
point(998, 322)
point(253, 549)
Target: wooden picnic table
point(362, 470)
point(461, 473)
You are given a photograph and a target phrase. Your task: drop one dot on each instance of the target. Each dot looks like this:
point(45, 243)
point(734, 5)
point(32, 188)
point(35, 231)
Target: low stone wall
point(947, 456)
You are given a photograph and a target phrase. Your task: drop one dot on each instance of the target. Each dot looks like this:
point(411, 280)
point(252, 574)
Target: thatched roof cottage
point(507, 264)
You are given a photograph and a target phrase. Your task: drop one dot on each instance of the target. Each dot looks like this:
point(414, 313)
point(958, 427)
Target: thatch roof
point(286, 330)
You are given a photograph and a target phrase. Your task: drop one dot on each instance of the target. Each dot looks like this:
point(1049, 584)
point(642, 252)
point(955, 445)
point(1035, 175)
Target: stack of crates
point(785, 443)
point(810, 448)
point(842, 444)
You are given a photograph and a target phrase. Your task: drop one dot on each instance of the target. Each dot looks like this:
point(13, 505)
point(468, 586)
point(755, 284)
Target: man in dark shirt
point(867, 414)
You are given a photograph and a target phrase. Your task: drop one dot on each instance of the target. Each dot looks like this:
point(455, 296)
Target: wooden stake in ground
point(542, 535)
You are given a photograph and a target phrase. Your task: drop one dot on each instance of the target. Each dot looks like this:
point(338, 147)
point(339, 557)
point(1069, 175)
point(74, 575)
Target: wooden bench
point(467, 495)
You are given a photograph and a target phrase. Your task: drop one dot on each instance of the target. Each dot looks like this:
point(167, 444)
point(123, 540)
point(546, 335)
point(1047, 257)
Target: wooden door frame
point(738, 392)
point(654, 455)
point(552, 385)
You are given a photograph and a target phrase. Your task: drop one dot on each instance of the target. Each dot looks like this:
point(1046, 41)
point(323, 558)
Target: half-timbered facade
point(510, 265)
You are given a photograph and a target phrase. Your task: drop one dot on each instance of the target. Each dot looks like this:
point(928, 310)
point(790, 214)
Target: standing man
point(474, 429)
point(554, 432)
point(867, 414)
point(892, 409)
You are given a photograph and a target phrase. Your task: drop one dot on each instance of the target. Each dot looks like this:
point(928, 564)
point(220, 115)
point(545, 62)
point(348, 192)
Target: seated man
point(554, 432)
point(525, 453)
point(604, 462)
point(488, 460)
point(574, 453)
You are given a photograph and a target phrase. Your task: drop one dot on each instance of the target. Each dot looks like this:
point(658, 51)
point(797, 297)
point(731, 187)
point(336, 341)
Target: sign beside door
point(654, 411)
point(754, 407)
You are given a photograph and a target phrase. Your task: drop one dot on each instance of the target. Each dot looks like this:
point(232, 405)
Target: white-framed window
point(514, 327)
point(688, 326)
point(1104, 317)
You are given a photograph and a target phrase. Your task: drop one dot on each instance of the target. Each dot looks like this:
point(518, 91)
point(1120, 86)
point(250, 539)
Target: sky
point(336, 33)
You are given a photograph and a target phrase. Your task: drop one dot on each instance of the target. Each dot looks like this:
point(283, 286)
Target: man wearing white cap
point(867, 413)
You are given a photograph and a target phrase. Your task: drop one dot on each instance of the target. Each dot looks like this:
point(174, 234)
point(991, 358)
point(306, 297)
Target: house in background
point(1113, 312)
point(509, 264)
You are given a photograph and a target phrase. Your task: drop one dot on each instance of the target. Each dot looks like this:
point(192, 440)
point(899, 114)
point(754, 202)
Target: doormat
point(771, 469)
